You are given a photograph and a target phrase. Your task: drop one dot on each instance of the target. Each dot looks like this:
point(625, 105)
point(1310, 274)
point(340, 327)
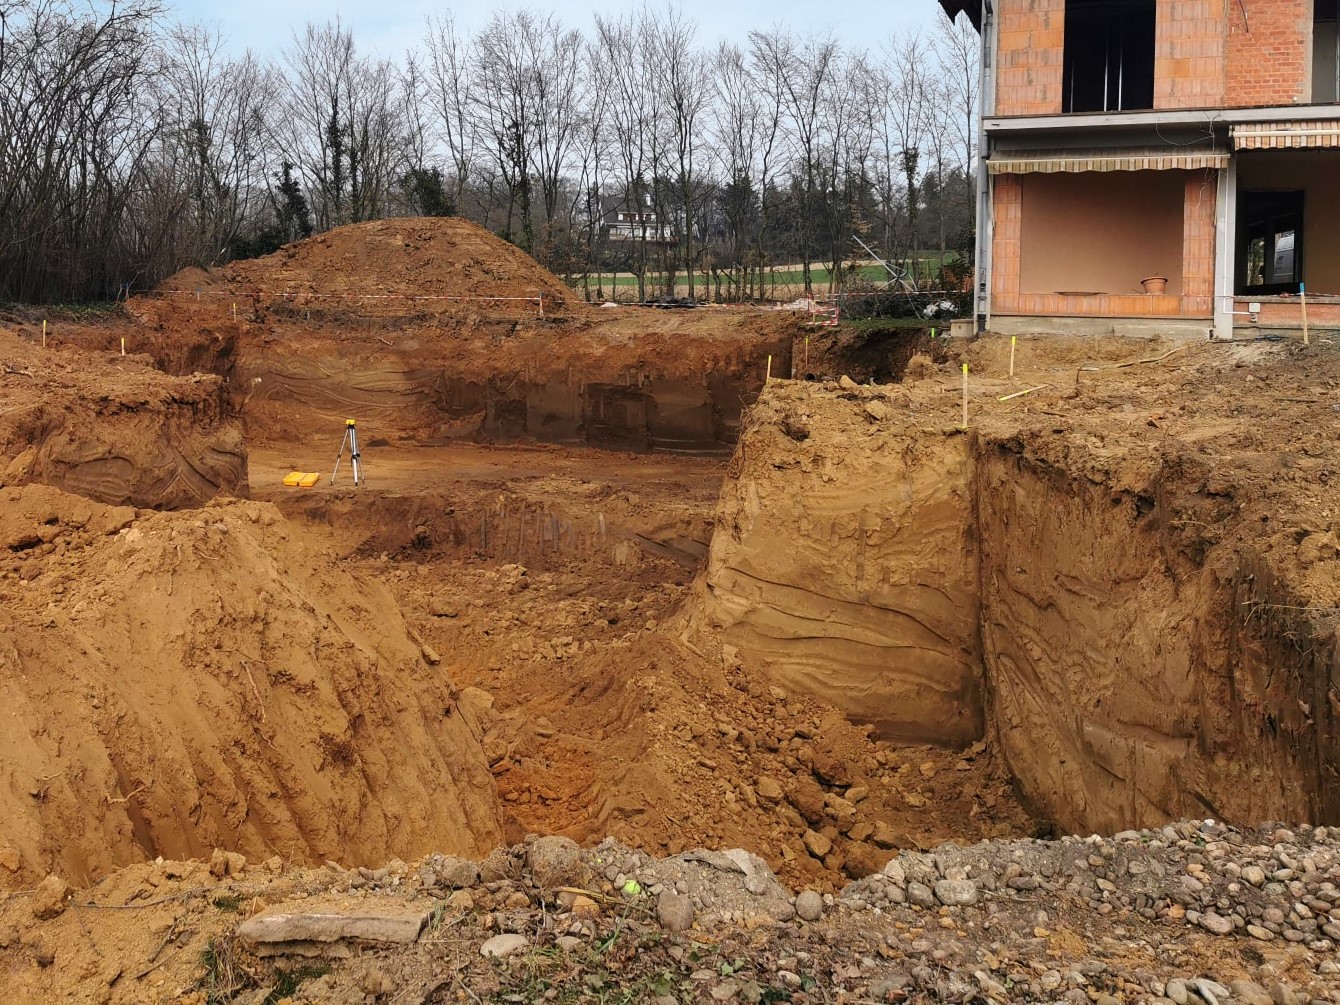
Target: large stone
point(456, 873)
point(1250, 993)
point(1216, 923)
point(841, 812)
point(809, 906)
point(807, 797)
point(861, 861)
point(893, 869)
point(831, 770)
point(556, 861)
point(956, 892)
point(226, 863)
point(818, 845)
point(584, 907)
point(884, 835)
point(674, 911)
point(387, 924)
point(768, 788)
point(49, 898)
point(920, 894)
point(501, 946)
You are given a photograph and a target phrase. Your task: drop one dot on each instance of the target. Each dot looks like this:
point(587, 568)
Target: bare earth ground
point(1129, 573)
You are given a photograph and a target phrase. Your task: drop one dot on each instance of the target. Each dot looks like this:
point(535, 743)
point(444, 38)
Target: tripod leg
point(338, 455)
point(355, 457)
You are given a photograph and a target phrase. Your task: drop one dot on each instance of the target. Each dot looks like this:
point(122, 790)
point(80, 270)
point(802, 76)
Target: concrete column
point(985, 222)
point(1225, 250)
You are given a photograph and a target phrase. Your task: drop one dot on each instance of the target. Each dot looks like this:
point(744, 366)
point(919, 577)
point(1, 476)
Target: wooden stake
point(1302, 299)
point(1013, 340)
point(965, 395)
point(234, 312)
point(123, 345)
point(1020, 394)
point(44, 334)
point(768, 376)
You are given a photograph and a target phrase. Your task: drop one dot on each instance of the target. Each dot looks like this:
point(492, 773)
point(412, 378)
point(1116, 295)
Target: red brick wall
point(1268, 57)
point(1196, 301)
point(1208, 54)
point(1189, 54)
point(1198, 245)
point(1007, 222)
point(1030, 56)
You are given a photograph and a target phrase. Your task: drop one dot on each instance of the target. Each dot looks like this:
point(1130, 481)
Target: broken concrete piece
point(298, 932)
point(504, 945)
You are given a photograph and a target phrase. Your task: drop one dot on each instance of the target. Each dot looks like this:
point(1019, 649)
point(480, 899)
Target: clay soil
point(495, 636)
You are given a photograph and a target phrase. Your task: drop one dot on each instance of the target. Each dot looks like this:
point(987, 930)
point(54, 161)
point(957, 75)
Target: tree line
point(132, 145)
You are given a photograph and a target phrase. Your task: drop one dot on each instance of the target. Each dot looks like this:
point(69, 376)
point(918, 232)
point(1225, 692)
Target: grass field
point(785, 282)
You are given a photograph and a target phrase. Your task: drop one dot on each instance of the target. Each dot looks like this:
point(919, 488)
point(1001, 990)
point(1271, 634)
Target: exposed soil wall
point(1129, 684)
point(116, 430)
point(1102, 612)
point(543, 384)
point(298, 716)
point(841, 557)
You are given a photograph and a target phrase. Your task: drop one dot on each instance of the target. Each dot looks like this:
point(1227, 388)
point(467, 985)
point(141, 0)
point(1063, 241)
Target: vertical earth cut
point(1074, 606)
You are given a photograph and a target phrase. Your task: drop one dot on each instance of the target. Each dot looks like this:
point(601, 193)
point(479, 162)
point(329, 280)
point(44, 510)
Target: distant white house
point(623, 218)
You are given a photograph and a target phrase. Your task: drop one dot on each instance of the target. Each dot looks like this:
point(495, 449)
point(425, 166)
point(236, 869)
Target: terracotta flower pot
point(1155, 285)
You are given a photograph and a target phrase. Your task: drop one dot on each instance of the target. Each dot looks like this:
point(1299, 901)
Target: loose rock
point(809, 906)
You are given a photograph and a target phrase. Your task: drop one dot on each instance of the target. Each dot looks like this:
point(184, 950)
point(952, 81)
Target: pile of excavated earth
point(793, 695)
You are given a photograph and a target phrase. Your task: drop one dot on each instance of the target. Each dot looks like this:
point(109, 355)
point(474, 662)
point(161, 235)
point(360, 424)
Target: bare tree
point(448, 80)
point(75, 133)
point(682, 94)
point(739, 132)
point(620, 66)
point(343, 125)
point(907, 74)
point(804, 71)
point(957, 49)
point(211, 154)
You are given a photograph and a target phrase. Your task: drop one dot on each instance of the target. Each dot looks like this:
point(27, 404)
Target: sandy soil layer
point(114, 429)
point(1135, 567)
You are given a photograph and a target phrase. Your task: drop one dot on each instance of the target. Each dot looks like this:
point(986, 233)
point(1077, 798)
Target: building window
point(1270, 242)
point(1326, 51)
point(1109, 55)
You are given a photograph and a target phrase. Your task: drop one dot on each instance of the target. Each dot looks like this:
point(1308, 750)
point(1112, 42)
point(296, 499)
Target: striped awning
point(1075, 161)
point(1322, 134)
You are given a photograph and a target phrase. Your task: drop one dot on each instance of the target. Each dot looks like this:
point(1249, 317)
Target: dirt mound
point(177, 682)
point(114, 429)
point(419, 257)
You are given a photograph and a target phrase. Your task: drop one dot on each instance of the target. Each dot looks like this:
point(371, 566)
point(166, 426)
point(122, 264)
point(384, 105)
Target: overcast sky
point(391, 26)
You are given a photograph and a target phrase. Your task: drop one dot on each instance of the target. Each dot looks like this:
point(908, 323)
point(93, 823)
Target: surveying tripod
point(355, 458)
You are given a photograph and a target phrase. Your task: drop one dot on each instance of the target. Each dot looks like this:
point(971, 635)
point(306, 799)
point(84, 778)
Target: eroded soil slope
point(112, 428)
point(175, 682)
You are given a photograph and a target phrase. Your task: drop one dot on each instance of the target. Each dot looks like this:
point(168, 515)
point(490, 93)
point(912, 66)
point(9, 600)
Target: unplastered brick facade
point(1189, 54)
point(1268, 52)
point(1031, 57)
point(1208, 54)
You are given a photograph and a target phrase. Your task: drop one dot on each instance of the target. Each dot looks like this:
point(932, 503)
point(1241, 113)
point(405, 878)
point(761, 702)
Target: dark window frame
point(1264, 215)
point(1109, 57)
point(1326, 12)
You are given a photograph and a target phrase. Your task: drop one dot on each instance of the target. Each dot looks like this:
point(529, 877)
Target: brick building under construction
point(1168, 164)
